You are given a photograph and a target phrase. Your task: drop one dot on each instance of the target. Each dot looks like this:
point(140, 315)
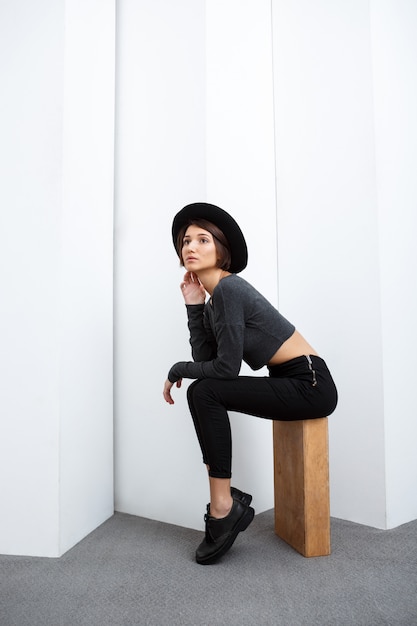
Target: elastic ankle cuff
point(215, 474)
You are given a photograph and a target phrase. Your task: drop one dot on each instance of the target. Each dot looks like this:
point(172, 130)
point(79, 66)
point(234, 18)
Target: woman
point(236, 324)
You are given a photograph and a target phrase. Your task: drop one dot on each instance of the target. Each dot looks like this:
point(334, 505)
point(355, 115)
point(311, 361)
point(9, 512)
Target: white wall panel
point(328, 229)
point(31, 61)
point(160, 150)
point(394, 54)
point(56, 163)
point(86, 294)
point(241, 179)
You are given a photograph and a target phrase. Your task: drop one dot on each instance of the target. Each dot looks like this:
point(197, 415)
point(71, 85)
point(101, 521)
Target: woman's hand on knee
point(167, 390)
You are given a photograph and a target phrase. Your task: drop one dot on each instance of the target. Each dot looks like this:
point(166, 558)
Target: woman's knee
point(191, 391)
point(200, 390)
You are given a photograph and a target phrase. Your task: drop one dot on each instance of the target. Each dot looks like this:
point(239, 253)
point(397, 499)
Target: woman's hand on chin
point(192, 290)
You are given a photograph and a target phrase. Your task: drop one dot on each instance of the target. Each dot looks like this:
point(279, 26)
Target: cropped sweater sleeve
point(220, 357)
point(203, 343)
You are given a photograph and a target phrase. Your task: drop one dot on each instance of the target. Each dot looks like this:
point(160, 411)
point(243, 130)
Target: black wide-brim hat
point(224, 221)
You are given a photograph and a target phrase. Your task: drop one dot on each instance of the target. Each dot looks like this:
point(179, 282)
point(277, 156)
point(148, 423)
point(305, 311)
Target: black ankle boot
point(246, 498)
point(221, 533)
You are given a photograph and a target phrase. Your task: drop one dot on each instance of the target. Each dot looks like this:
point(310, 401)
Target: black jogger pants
point(299, 389)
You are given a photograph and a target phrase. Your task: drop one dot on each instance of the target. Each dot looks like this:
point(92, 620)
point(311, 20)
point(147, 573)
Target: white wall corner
point(56, 248)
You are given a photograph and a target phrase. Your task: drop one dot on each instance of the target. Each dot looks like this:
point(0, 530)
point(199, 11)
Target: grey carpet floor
point(134, 571)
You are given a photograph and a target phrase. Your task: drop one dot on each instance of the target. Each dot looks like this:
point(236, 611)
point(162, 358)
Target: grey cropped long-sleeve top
point(237, 324)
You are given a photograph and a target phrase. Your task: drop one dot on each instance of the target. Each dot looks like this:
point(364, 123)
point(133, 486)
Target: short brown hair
point(224, 257)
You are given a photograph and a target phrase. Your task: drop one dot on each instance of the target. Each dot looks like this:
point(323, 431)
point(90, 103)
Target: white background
point(298, 118)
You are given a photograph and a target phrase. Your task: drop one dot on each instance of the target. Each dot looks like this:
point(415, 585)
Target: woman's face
point(198, 249)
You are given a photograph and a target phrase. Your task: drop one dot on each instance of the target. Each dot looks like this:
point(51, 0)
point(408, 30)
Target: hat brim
point(224, 221)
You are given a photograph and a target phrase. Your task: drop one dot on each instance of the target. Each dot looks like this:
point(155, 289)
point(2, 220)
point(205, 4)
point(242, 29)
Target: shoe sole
point(242, 525)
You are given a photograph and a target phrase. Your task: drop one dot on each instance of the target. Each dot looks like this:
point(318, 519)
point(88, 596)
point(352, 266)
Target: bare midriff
point(295, 346)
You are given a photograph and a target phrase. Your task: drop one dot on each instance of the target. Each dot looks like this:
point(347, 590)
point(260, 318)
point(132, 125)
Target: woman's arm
point(228, 337)
point(203, 345)
point(229, 333)
point(226, 364)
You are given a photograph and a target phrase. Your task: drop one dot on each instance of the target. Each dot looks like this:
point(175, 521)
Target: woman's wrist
point(190, 302)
